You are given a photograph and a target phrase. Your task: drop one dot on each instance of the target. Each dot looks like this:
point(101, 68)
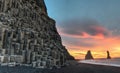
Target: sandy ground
point(75, 67)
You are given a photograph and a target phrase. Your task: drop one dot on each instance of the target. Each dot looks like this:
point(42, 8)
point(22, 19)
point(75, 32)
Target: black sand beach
point(75, 67)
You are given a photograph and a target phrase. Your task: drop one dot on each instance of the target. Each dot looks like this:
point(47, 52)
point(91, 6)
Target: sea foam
point(107, 62)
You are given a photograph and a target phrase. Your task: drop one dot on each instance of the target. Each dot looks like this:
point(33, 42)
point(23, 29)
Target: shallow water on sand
point(108, 62)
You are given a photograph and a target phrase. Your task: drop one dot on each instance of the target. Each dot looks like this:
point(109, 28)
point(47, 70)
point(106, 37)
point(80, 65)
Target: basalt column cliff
point(28, 36)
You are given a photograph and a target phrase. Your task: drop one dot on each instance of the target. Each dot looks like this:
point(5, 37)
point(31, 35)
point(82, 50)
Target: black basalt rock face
point(89, 55)
point(41, 4)
point(29, 35)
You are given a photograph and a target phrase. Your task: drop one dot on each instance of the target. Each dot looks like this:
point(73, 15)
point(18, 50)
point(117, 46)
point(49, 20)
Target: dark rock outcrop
point(68, 56)
point(41, 4)
point(108, 55)
point(88, 55)
point(28, 35)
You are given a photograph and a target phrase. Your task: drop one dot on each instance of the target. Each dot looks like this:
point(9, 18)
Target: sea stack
point(29, 36)
point(88, 55)
point(108, 55)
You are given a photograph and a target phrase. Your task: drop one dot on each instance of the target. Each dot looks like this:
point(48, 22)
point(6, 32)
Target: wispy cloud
point(83, 29)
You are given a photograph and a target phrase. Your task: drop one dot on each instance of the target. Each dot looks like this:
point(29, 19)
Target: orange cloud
point(98, 50)
point(78, 45)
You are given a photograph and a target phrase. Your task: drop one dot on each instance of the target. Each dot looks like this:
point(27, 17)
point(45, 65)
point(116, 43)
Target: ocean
point(107, 62)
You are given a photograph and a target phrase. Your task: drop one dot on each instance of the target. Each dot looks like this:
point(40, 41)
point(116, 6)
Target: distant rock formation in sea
point(108, 55)
point(89, 55)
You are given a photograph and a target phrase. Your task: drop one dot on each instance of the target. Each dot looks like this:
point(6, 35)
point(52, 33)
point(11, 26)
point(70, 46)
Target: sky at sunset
point(87, 25)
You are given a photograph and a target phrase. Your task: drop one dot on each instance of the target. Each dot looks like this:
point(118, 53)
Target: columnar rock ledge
point(28, 36)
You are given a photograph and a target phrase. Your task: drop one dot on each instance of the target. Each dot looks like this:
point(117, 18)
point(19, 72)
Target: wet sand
point(75, 67)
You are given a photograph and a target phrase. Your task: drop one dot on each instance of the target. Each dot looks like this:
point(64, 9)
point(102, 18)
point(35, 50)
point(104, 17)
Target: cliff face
point(28, 35)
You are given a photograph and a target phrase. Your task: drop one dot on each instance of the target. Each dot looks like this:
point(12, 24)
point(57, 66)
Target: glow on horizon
point(80, 54)
point(112, 44)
